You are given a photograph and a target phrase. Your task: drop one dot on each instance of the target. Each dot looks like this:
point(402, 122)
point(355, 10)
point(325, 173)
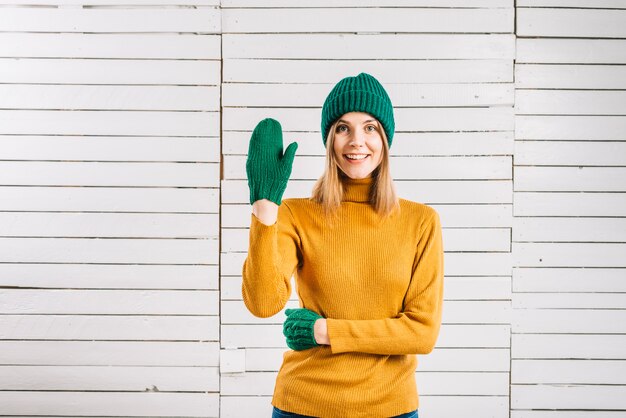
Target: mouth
point(356, 161)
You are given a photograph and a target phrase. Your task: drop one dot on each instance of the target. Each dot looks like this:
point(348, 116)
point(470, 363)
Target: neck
point(357, 190)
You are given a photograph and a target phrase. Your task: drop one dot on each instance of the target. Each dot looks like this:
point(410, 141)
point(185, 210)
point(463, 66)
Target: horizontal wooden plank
point(608, 4)
point(568, 254)
point(402, 95)
point(569, 300)
point(570, 51)
point(109, 276)
point(569, 280)
point(559, 229)
point(374, 46)
point(568, 346)
point(569, 204)
point(106, 97)
point(440, 360)
point(109, 122)
point(456, 264)
point(263, 70)
point(237, 406)
point(72, 148)
point(117, 71)
point(367, 20)
point(108, 173)
point(404, 144)
point(110, 378)
point(80, 3)
point(456, 288)
point(577, 128)
point(117, 225)
point(435, 406)
point(570, 102)
point(423, 191)
point(111, 20)
point(567, 179)
point(418, 168)
point(463, 383)
point(594, 397)
point(569, 321)
point(118, 250)
point(406, 119)
point(364, 3)
point(110, 199)
point(309, 143)
point(586, 153)
point(455, 312)
point(450, 383)
point(568, 371)
point(110, 327)
point(451, 336)
point(545, 76)
point(449, 359)
point(571, 23)
point(110, 404)
point(106, 353)
point(109, 302)
point(452, 216)
point(102, 45)
point(456, 239)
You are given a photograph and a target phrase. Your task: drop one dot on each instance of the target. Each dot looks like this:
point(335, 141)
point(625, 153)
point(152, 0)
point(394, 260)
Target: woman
point(368, 265)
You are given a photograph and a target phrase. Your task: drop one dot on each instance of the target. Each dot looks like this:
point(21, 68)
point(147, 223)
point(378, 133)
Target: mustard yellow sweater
point(380, 286)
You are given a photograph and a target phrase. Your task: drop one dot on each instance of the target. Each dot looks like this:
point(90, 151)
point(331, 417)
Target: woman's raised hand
point(268, 169)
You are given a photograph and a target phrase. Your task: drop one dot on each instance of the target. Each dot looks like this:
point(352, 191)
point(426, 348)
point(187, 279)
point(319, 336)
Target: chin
point(357, 175)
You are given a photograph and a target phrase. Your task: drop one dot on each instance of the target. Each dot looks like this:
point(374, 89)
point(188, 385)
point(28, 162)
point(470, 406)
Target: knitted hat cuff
point(365, 101)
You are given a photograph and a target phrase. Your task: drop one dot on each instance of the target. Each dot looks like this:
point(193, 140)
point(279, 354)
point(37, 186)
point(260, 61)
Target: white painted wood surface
point(109, 185)
point(124, 127)
point(569, 240)
point(453, 95)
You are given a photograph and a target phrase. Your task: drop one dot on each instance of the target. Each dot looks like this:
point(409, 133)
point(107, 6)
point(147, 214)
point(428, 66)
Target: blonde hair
point(328, 190)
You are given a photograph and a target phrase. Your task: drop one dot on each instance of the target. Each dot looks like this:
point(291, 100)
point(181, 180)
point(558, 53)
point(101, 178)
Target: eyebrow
point(345, 121)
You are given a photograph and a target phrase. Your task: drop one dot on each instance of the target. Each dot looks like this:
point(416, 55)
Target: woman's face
point(357, 133)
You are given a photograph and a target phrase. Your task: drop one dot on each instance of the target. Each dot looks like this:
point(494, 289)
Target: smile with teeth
point(356, 156)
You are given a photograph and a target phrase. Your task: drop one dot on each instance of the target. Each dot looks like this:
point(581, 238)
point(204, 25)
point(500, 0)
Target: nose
point(358, 139)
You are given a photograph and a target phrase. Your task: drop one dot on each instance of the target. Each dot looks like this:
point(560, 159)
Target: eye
point(339, 128)
point(371, 126)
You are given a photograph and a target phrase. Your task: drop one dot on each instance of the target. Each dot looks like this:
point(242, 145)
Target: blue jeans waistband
point(279, 413)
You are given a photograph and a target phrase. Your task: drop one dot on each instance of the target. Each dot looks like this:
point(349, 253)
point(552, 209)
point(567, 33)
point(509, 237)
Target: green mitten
point(298, 328)
point(268, 169)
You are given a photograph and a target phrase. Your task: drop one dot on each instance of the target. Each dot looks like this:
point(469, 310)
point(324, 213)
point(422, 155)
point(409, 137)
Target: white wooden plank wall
point(569, 232)
point(449, 72)
point(109, 208)
point(124, 213)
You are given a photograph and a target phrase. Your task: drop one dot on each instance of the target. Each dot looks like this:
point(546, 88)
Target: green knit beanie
point(362, 93)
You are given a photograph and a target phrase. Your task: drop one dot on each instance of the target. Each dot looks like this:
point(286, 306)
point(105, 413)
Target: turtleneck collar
point(357, 190)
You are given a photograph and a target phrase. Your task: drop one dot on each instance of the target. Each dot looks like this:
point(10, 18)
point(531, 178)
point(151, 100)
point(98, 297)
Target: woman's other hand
point(300, 329)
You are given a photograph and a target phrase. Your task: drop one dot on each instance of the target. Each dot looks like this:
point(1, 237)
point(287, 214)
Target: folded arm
point(414, 330)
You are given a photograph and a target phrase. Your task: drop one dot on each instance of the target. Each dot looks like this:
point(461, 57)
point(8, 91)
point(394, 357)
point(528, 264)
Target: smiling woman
point(357, 118)
point(369, 278)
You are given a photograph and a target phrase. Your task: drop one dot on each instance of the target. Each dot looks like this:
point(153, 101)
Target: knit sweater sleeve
point(273, 255)
point(416, 328)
